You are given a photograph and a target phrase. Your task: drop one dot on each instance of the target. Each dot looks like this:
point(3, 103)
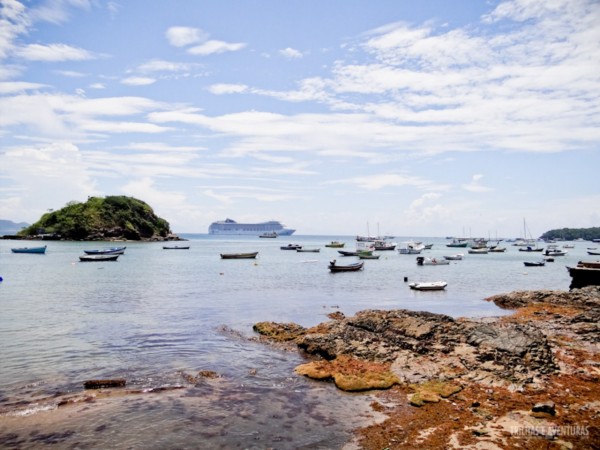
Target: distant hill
point(109, 218)
point(10, 227)
point(570, 234)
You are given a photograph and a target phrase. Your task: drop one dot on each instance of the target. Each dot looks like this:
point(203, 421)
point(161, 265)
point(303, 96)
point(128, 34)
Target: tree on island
point(112, 217)
point(570, 234)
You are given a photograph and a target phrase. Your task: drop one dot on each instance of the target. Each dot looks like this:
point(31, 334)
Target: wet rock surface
point(528, 380)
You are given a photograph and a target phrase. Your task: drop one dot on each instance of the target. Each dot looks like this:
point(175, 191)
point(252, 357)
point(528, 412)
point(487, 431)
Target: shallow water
point(155, 314)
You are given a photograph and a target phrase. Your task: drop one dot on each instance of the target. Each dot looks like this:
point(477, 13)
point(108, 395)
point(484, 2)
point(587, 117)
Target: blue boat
point(38, 250)
point(106, 251)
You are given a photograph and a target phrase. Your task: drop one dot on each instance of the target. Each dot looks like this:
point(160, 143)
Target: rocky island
point(111, 218)
point(526, 380)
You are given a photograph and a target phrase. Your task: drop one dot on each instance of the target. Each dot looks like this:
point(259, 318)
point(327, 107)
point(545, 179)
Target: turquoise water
point(155, 314)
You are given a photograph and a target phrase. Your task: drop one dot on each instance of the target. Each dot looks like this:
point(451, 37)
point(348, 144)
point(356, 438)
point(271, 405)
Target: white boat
point(429, 286)
point(410, 248)
point(478, 251)
point(423, 261)
point(456, 257)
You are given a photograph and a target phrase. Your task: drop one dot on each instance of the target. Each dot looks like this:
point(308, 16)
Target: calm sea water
point(157, 314)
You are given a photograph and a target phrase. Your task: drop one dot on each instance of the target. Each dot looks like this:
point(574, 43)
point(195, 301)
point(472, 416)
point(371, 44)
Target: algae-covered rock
point(350, 374)
point(280, 332)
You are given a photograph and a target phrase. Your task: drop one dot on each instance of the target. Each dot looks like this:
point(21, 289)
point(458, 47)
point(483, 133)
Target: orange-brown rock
point(350, 374)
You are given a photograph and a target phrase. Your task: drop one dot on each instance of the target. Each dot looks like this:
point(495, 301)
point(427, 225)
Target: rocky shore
point(526, 380)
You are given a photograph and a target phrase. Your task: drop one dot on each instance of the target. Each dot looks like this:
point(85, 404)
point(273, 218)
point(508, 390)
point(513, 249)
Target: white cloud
point(53, 53)
point(12, 87)
point(380, 181)
point(475, 185)
point(213, 47)
point(55, 174)
point(184, 36)
point(158, 65)
point(138, 81)
point(224, 88)
point(291, 53)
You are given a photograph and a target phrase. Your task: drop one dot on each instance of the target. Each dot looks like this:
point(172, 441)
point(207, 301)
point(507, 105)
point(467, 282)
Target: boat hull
point(32, 250)
point(333, 267)
point(239, 255)
point(98, 258)
point(429, 286)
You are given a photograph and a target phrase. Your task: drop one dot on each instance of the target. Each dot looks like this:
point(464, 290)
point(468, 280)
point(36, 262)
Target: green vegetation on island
point(570, 234)
point(108, 218)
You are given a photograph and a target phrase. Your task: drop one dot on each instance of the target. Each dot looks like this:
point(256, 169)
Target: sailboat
point(529, 245)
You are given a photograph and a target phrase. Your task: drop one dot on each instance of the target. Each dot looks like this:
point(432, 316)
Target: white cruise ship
point(229, 226)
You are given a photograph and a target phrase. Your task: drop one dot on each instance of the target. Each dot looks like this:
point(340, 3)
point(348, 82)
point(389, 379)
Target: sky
point(339, 117)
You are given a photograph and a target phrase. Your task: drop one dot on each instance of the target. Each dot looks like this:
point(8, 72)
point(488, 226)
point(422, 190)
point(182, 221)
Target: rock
point(545, 407)
point(350, 374)
point(280, 332)
point(110, 383)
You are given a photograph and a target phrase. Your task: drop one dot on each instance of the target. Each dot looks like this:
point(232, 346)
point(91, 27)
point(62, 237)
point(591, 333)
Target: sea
point(157, 317)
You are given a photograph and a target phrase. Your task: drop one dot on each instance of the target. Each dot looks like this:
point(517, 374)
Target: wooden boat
point(333, 267)
point(291, 247)
point(99, 258)
point(239, 255)
point(583, 275)
point(271, 235)
point(106, 251)
point(478, 251)
point(497, 249)
point(555, 252)
point(422, 261)
point(308, 250)
point(429, 286)
point(335, 244)
point(175, 247)
point(456, 257)
point(37, 250)
point(534, 263)
point(589, 264)
point(382, 245)
point(531, 249)
point(458, 243)
point(593, 252)
point(355, 253)
point(366, 256)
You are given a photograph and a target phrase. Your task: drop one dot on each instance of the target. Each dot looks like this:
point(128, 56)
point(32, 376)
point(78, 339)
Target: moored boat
point(456, 257)
point(367, 256)
point(106, 251)
point(36, 250)
point(479, 251)
point(334, 267)
point(335, 244)
point(175, 247)
point(429, 286)
point(291, 247)
point(587, 273)
point(423, 261)
point(250, 255)
point(271, 235)
point(534, 263)
point(308, 250)
point(355, 252)
point(98, 258)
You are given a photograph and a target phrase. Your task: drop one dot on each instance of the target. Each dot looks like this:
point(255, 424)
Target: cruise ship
point(229, 226)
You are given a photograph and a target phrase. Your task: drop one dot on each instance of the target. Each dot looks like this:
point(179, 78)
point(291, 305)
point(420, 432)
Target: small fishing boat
point(335, 244)
point(239, 255)
point(531, 249)
point(308, 250)
point(422, 261)
point(478, 251)
point(106, 251)
point(593, 252)
point(383, 245)
point(429, 286)
point(37, 250)
point(334, 267)
point(355, 253)
point(99, 258)
point(291, 247)
point(367, 256)
point(534, 263)
point(270, 235)
point(175, 247)
point(456, 257)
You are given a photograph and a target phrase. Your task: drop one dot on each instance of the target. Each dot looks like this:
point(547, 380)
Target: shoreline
point(526, 379)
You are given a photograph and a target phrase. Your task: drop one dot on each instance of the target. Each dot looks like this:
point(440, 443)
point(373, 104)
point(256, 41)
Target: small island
point(111, 218)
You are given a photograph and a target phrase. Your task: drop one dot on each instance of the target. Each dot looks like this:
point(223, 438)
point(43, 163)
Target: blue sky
point(427, 118)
